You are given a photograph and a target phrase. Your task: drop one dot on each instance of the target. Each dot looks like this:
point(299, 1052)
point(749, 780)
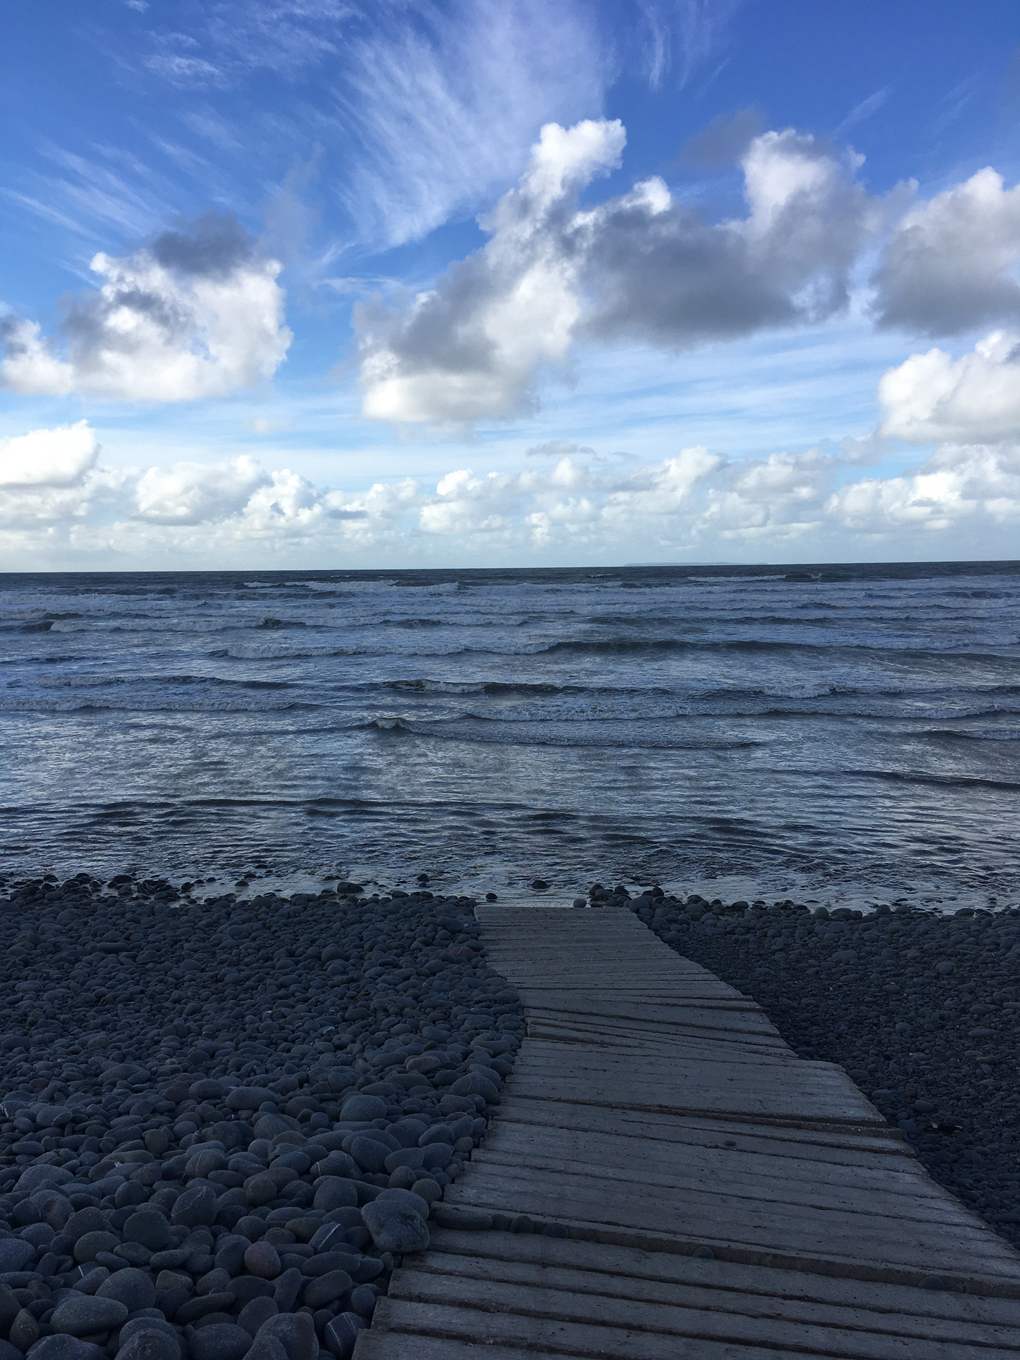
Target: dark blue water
point(857, 726)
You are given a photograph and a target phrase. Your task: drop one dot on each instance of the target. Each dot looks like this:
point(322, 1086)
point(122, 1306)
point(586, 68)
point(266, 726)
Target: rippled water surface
point(838, 723)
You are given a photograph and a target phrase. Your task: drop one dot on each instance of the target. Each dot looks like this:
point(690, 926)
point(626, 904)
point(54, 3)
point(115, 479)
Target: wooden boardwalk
point(653, 1111)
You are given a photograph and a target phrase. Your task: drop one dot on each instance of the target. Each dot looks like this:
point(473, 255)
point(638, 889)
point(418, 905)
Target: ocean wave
point(636, 735)
point(142, 704)
point(973, 734)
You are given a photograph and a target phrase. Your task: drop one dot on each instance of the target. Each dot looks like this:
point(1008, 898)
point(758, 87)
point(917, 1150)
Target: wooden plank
point(654, 1110)
point(684, 1320)
point(564, 1338)
point(770, 1102)
point(860, 1146)
point(378, 1344)
point(907, 1195)
point(721, 1219)
point(602, 1260)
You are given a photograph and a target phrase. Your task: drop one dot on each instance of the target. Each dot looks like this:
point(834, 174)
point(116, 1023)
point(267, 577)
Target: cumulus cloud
point(956, 485)
point(189, 493)
point(579, 507)
point(659, 272)
point(932, 398)
point(469, 349)
point(950, 265)
point(198, 313)
point(638, 265)
point(51, 477)
point(56, 457)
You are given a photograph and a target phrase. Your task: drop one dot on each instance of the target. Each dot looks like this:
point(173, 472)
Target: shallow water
point(858, 727)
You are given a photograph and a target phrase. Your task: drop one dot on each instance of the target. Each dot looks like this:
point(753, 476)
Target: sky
point(316, 284)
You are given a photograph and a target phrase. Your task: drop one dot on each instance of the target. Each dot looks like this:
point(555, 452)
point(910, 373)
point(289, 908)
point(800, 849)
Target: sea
point(844, 733)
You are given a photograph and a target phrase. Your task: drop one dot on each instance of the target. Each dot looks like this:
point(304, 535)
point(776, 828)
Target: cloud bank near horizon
point(60, 499)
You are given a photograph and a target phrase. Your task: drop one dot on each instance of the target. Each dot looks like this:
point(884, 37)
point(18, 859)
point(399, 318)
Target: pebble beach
point(224, 1121)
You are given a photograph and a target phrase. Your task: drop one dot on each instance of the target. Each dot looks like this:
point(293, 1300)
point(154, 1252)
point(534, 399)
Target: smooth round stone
point(363, 1300)
point(326, 1289)
point(252, 1315)
point(88, 1247)
point(149, 1343)
point(294, 1332)
point(341, 1334)
point(133, 1288)
point(146, 1324)
point(220, 1341)
point(260, 1189)
point(24, 1330)
point(85, 1221)
point(427, 1189)
point(33, 1178)
point(263, 1260)
point(88, 1314)
point(60, 1346)
point(195, 1208)
point(207, 1088)
point(359, 1107)
point(395, 1227)
point(369, 1154)
point(408, 1198)
point(249, 1097)
point(474, 1084)
point(15, 1254)
point(335, 1192)
point(436, 1156)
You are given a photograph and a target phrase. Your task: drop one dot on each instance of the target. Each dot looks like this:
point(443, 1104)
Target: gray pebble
point(294, 1335)
point(220, 1341)
point(63, 1347)
point(82, 1315)
point(134, 1288)
point(326, 1289)
point(148, 1343)
point(15, 1254)
point(342, 1333)
point(262, 1259)
point(252, 1315)
point(394, 1227)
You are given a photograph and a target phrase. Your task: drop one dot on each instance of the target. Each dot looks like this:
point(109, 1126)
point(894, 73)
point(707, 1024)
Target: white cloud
point(197, 314)
point(639, 265)
point(469, 349)
point(57, 457)
point(951, 263)
point(932, 398)
point(191, 493)
point(957, 484)
point(579, 508)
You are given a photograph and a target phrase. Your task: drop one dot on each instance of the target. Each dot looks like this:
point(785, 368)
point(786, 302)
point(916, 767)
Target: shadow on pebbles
point(224, 1123)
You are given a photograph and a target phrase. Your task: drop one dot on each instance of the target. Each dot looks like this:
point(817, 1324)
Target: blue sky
point(308, 283)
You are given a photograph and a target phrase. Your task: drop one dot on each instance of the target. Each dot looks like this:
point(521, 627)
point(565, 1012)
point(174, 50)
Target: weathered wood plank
point(683, 1321)
point(603, 1261)
point(564, 1338)
point(654, 1110)
point(855, 1147)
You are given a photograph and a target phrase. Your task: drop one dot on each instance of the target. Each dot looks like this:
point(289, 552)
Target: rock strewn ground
point(222, 1123)
point(922, 1011)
